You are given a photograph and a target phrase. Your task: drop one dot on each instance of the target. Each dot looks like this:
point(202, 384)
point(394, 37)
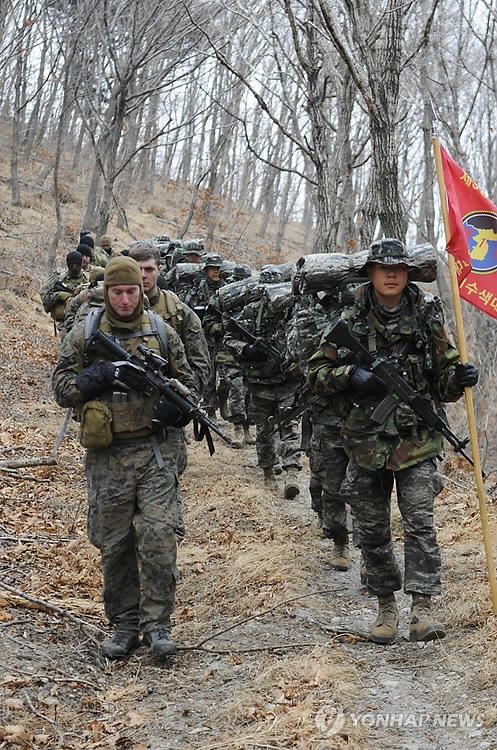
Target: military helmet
point(389, 252)
point(194, 246)
point(161, 238)
point(212, 260)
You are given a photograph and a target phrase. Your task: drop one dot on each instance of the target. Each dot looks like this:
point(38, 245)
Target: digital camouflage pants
point(132, 517)
point(371, 500)
point(328, 463)
point(269, 401)
point(232, 388)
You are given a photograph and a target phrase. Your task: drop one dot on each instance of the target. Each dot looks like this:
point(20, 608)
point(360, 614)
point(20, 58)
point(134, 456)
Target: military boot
point(341, 556)
point(237, 441)
point(291, 482)
point(269, 478)
point(384, 628)
point(249, 440)
point(120, 645)
point(422, 625)
point(160, 642)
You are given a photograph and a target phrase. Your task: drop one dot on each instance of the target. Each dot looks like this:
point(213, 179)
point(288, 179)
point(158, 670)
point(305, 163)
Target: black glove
point(466, 375)
point(96, 378)
point(169, 415)
point(131, 375)
point(363, 381)
point(252, 353)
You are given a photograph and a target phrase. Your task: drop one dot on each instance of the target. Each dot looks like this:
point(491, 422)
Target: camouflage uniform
point(232, 387)
point(327, 458)
point(55, 300)
point(132, 493)
point(402, 447)
point(199, 298)
point(189, 328)
point(271, 392)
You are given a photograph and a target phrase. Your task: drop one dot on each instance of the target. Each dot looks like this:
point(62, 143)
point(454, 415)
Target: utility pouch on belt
point(95, 431)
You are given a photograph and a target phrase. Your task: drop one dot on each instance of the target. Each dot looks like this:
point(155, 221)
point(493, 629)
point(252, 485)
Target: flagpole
point(475, 451)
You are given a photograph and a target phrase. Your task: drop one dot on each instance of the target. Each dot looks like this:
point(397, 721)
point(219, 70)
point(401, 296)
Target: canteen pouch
point(95, 430)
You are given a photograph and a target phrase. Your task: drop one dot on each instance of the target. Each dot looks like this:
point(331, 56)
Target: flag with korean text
point(473, 240)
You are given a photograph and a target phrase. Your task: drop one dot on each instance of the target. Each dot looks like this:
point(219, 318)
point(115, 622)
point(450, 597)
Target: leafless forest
point(316, 111)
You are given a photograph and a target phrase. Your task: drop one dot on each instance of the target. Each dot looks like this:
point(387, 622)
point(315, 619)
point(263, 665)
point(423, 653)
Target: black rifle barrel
point(340, 335)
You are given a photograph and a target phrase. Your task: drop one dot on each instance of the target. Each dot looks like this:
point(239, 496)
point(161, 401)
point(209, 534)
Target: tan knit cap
point(122, 270)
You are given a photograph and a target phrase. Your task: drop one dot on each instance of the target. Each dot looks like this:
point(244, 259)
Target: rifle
point(401, 391)
point(151, 365)
point(61, 287)
point(234, 326)
point(294, 413)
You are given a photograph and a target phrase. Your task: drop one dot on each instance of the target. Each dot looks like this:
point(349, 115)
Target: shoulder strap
point(158, 327)
point(92, 323)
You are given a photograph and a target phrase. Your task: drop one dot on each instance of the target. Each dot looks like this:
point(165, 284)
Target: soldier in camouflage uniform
point(61, 286)
point(271, 393)
point(179, 316)
point(327, 458)
point(198, 299)
point(394, 319)
point(130, 462)
point(232, 389)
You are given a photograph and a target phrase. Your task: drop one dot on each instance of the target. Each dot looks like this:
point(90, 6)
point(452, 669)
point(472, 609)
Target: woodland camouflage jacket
point(427, 362)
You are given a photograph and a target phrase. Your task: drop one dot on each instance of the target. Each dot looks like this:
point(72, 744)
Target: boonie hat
point(389, 252)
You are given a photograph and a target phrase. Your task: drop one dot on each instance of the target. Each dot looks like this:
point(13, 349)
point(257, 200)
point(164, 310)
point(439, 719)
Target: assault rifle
point(179, 395)
point(61, 287)
point(232, 324)
point(398, 389)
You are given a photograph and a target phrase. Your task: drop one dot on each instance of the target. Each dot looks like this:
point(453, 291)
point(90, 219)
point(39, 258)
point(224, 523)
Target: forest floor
point(273, 644)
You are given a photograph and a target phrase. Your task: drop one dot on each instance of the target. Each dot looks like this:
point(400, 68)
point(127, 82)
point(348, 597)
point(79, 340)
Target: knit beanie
point(84, 249)
point(87, 239)
point(74, 258)
point(122, 270)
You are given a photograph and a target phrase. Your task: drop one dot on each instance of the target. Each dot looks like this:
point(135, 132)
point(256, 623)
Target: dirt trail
point(300, 675)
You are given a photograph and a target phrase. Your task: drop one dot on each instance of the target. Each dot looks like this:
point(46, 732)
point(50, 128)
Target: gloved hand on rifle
point(466, 375)
point(63, 296)
point(363, 382)
point(96, 378)
point(168, 414)
point(253, 353)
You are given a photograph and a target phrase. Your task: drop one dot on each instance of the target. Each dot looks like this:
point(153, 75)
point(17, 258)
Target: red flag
point(473, 239)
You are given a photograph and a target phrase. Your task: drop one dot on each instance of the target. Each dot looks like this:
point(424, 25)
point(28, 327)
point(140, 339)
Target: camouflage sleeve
point(68, 368)
point(178, 363)
point(446, 357)
point(196, 349)
point(48, 294)
point(328, 369)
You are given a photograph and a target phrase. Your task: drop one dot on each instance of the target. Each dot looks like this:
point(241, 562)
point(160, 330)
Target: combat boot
point(341, 556)
point(120, 645)
point(160, 642)
point(384, 628)
point(269, 478)
point(249, 440)
point(291, 482)
point(422, 625)
point(237, 441)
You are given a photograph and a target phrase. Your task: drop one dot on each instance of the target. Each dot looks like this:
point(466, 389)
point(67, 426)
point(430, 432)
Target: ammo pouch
point(95, 429)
